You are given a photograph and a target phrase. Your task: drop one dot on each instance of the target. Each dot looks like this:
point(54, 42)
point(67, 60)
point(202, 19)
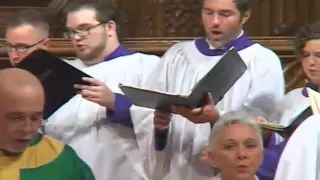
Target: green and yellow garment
point(45, 159)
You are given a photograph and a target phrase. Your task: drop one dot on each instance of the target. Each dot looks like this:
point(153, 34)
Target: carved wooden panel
point(28, 3)
point(181, 18)
point(282, 46)
point(5, 15)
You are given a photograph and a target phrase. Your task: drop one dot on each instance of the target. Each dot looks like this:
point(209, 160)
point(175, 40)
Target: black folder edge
point(238, 66)
point(217, 96)
point(297, 120)
point(28, 64)
point(287, 131)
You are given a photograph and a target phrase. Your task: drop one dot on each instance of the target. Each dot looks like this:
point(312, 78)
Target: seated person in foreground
point(235, 147)
point(24, 153)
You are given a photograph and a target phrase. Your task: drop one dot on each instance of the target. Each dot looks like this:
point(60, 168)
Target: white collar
point(217, 177)
point(211, 47)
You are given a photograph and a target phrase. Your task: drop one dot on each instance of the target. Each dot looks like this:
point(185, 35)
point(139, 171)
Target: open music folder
point(57, 77)
point(271, 126)
point(286, 131)
point(217, 81)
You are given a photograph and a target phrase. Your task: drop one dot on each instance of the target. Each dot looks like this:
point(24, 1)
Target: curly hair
point(304, 34)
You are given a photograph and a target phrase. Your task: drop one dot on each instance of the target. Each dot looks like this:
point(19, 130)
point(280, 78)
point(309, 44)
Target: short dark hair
point(105, 11)
point(304, 34)
point(242, 5)
point(31, 17)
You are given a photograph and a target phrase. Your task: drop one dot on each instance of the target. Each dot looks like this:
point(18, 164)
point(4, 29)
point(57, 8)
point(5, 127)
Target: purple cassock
point(271, 157)
point(121, 112)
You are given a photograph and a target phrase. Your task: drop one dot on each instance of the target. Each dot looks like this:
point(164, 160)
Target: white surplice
point(179, 70)
point(292, 105)
point(288, 108)
point(109, 149)
point(217, 177)
point(301, 156)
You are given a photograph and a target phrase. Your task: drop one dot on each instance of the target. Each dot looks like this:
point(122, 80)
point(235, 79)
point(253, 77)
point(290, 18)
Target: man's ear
point(245, 17)
point(46, 44)
point(208, 157)
point(111, 27)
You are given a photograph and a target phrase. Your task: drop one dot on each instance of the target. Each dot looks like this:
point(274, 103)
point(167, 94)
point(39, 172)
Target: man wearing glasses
point(93, 122)
point(109, 148)
point(25, 33)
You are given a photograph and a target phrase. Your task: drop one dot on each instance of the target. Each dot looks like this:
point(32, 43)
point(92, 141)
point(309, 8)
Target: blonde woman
point(235, 147)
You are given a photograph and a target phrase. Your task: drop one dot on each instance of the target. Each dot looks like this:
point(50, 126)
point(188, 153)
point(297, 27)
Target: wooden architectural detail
point(284, 17)
point(182, 18)
point(152, 26)
point(281, 45)
point(285, 28)
point(148, 26)
point(6, 13)
point(58, 4)
point(124, 31)
point(54, 17)
point(24, 3)
point(52, 14)
point(128, 14)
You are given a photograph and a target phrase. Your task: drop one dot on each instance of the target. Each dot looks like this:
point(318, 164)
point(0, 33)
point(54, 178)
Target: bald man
point(24, 153)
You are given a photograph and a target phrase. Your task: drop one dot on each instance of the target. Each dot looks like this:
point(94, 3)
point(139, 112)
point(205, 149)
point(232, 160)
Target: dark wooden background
point(152, 26)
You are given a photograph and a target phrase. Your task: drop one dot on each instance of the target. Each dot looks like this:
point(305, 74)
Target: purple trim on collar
point(309, 85)
point(240, 43)
point(120, 51)
point(305, 92)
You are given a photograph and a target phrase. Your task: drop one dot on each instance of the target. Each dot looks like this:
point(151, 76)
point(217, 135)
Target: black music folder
point(287, 131)
point(57, 77)
point(217, 81)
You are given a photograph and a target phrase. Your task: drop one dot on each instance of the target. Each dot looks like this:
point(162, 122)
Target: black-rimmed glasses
point(70, 33)
point(19, 48)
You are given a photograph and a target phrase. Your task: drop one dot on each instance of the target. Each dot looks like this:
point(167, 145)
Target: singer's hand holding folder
point(217, 81)
point(57, 77)
point(287, 131)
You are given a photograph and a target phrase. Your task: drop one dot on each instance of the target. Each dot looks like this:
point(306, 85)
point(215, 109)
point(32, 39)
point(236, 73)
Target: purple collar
point(240, 43)
point(309, 85)
point(120, 51)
